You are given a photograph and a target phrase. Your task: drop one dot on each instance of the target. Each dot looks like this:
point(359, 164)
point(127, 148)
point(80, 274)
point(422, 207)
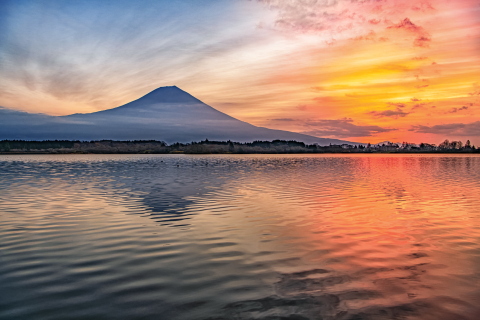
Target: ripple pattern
point(240, 237)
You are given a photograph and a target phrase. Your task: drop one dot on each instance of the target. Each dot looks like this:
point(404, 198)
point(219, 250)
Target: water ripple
point(240, 237)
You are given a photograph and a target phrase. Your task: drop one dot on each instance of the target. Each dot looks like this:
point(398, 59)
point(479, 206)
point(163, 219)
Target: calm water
point(240, 237)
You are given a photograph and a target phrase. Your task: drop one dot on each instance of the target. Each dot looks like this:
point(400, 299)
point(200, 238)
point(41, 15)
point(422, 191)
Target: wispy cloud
point(397, 112)
point(101, 53)
point(475, 91)
point(450, 129)
point(342, 128)
point(255, 60)
point(389, 113)
point(422, 39)
point(455, 110)
point(419, 106)
point(284, 119)
point(358, 18)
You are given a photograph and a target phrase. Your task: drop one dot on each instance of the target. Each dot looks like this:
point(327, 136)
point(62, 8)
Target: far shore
point(224, 147)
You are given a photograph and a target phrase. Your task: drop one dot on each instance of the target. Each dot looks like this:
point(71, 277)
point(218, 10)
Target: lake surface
point(240, 237)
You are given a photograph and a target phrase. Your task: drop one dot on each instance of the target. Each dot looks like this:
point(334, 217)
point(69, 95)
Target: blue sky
point(83, 51)
point(373, 70)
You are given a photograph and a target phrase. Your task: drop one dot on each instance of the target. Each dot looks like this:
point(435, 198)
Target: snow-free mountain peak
point(170, 94)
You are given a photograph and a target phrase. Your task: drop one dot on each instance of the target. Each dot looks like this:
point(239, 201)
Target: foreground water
point(240, 237)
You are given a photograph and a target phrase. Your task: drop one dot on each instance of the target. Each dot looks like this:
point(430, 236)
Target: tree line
point(218, 147)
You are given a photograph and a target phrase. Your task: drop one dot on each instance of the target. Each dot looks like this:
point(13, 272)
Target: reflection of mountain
point(168, 188)
point(167, 113)
point(248, 237)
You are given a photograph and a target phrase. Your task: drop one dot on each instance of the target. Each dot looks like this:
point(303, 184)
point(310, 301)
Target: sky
point(358, 70)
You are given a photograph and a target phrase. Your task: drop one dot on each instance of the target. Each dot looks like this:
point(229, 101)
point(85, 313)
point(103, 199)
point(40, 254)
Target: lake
point(240, 237)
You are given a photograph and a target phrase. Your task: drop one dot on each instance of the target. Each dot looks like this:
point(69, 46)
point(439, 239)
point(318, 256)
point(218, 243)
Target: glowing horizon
point(365, 71)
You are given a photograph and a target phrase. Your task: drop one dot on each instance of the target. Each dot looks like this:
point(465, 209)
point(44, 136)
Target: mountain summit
point(168, 114)
point(171, 94)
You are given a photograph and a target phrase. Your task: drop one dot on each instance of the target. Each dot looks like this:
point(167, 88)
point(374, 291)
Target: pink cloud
point(422, 37)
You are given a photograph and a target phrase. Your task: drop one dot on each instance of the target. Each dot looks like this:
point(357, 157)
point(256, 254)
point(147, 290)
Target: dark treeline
point(65, 146)
point(218, 147)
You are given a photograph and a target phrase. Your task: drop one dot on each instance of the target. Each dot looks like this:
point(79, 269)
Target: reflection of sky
point(361, 71)
point(363, 233)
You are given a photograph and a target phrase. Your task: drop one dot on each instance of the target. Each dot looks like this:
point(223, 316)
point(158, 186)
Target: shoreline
point(237, 153)
point(222, 147)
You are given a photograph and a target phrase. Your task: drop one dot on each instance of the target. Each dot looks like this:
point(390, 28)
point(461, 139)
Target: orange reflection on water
point(401, 226)
point(321, 236)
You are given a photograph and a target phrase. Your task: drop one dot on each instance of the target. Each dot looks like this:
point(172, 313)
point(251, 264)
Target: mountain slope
point(167, 113)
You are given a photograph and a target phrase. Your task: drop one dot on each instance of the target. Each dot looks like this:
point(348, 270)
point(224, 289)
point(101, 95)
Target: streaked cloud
point(389, 113)
point(386, 64)
point(455, 110)
point(342, 128)
point(471, 129)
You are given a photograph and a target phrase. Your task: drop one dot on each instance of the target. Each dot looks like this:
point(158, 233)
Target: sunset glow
point(365, 71)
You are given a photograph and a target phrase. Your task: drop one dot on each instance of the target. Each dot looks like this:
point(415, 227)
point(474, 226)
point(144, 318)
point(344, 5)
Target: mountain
point(168, 114)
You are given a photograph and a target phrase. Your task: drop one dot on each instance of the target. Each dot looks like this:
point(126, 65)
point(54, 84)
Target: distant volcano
point(167, 114)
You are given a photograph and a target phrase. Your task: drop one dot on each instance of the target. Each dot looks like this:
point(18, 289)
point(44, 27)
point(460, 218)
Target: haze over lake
point(240, 237)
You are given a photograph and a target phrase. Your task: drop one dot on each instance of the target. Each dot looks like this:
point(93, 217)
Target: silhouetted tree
point(445, 144)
